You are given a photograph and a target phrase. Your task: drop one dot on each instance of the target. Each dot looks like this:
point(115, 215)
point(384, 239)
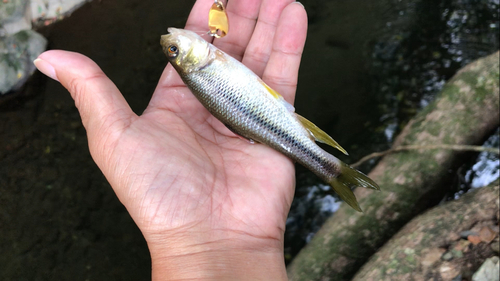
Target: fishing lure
point(218, 23)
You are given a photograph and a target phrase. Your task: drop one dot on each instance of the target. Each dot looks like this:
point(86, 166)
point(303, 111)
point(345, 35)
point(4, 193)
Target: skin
point(209, 204)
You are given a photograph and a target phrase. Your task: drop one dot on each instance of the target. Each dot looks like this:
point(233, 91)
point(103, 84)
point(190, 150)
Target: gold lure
point(217, 20)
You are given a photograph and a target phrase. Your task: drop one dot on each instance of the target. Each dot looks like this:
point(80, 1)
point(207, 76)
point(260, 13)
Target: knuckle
point(77, 88)
point(280, 80)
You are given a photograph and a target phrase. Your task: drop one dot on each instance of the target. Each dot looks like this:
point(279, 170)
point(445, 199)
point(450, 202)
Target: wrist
point(221, 256)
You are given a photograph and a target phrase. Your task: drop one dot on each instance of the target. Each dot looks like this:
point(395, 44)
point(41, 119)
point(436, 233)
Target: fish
point(247, 106)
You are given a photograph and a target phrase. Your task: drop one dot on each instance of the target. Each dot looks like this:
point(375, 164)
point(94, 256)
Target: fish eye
point(173, 51)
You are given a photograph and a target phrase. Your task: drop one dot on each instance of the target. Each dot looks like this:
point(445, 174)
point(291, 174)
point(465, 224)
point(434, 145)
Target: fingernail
point(46, 68)
point(300, 4)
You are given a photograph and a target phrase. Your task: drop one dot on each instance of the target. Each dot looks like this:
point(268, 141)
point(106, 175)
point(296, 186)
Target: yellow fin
point(275, 94)
point(345, 193)
point(348, 178)
point(319, 134)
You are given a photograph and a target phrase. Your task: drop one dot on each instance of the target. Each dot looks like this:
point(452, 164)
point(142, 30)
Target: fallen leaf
point(487, 234)
point(474, 239)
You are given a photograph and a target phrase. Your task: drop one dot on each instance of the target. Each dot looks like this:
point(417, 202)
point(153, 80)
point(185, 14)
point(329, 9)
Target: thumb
point(104, 111)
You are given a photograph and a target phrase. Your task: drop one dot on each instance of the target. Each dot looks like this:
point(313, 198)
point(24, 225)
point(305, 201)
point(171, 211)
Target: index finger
point(198, 19)
point(242, 16)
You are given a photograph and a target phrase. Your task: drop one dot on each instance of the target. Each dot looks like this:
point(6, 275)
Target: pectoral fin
point(319, 135)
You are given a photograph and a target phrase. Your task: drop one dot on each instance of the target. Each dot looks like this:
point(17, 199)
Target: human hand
point(209, 204)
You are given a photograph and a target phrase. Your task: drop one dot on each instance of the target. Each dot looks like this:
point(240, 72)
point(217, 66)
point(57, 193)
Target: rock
point(467, 233)
point(14, 17)
point(19, 45)
point(448, 256)
point(433, 257)
point(49, 11)
point(19, 51)
point(448, 271)
point(457, 254)
point(489, 271)
point(12, 10)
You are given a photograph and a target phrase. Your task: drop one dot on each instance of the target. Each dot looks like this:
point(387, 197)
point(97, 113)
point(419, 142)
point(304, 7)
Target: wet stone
point(19, 51)
point(488, 271)
point(447, 256)
point(457, 253)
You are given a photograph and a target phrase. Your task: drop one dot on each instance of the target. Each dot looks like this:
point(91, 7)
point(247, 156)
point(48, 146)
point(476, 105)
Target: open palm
point(176, 168)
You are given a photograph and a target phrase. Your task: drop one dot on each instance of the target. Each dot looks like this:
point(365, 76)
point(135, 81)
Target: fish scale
point(253, 114)
point(247, 106)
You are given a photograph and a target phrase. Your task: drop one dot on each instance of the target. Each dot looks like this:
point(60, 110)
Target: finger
point(198, 19)
point(259, 48)
point(242, 15)
point(282, 69)
point(102, 108)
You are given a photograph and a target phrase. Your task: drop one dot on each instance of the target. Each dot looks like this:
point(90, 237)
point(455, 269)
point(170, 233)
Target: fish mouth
point(172, 30)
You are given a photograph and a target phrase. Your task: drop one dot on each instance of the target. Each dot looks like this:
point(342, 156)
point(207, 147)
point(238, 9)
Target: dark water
point(394, 57)
point(367, 68)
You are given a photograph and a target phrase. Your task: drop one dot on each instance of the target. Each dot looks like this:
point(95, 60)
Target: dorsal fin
point(319, 134)
point(277, 96)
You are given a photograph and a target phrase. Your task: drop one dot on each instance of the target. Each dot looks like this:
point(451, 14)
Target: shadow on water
point(367, 68)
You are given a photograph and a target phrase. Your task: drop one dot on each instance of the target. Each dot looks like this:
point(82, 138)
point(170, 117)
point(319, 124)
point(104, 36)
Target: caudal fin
point(348, 178)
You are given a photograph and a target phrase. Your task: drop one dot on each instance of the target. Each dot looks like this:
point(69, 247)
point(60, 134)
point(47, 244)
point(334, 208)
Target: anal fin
point(319, 134)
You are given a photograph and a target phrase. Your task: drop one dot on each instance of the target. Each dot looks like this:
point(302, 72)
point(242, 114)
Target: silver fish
point(250, 108)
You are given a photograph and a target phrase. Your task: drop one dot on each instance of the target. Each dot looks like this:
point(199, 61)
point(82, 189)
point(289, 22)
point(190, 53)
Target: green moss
point(22, 36)
point(481, 93)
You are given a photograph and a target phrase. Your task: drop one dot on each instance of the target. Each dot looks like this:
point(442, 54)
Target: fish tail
point(350, 177)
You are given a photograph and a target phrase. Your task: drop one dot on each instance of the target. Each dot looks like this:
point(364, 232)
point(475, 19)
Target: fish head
point(185, 50)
